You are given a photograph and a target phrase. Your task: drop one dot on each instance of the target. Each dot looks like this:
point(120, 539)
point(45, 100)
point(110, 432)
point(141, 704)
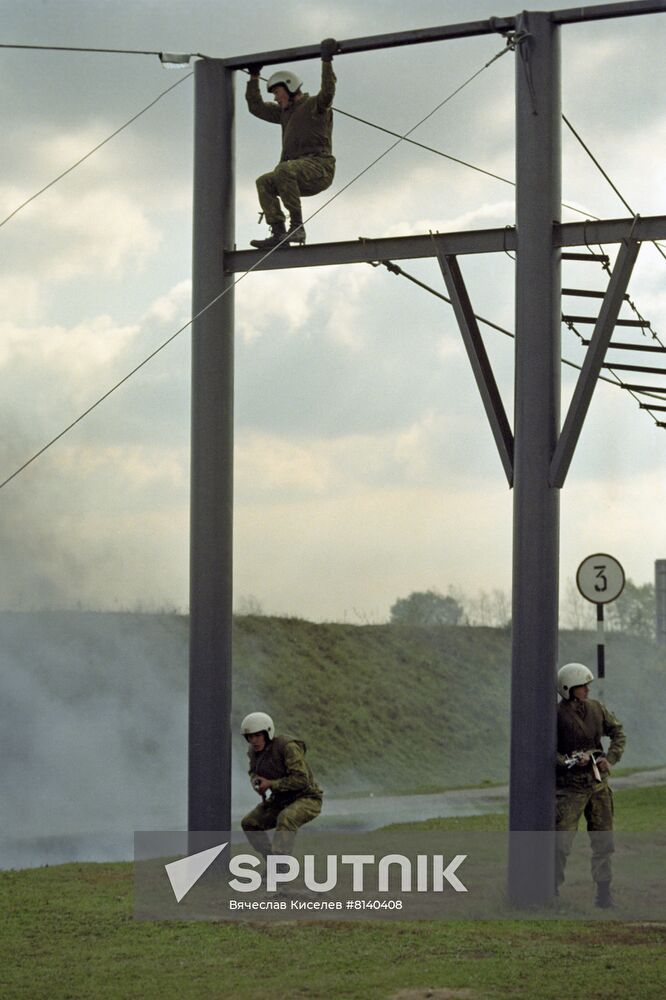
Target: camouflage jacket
point(580, 726)
point(307, 124)
point(283, 762)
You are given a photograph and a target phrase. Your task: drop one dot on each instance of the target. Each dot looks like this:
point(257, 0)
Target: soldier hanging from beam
point(307, 164)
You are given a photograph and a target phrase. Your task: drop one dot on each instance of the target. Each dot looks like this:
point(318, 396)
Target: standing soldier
point(307, 164)
point(279, 772)
point(582, 774)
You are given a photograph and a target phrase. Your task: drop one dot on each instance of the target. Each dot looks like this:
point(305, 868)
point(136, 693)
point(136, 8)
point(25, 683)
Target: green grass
point(637, 810)
point(68, 934)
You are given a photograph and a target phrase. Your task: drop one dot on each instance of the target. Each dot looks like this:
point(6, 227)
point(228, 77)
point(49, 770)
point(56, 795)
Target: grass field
point(68, 934)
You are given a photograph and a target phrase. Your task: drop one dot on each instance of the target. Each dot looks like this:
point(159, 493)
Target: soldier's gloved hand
point(603, 765)
point(254, 69)
point(328, 49)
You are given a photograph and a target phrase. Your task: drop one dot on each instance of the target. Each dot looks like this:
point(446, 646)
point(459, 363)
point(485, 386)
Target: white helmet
point(572, 675)
point(257, 722)
point(287, 78)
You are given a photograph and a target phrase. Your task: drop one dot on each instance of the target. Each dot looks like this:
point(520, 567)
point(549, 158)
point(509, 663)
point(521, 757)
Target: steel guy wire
point(76, 48)
point(237, 281)
point(615, 380)
point(454, 159)
point(606, 176)
point(95, 148)
point(395, 269)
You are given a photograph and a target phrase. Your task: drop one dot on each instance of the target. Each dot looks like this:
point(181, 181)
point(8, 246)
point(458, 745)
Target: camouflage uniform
point(295, 797)
point(307, 165)
point(580, 726)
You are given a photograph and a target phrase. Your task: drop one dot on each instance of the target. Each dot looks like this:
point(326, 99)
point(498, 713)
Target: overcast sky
point(365, 468)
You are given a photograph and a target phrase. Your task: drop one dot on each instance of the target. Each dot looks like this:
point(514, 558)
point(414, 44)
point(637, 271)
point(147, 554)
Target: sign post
point(600, 579)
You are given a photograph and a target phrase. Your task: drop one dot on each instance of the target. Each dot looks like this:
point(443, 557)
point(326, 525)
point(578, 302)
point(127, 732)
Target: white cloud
point(275, 300)
point(21, 298)
point(75, 351)
point(174, 307)
point(105, 230)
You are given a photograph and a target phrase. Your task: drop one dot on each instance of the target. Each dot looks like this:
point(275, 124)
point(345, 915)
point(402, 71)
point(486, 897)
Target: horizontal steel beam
point(417, 36)
point(637, 387)
point(442, 33)
point(363, 250)
point(585, 293)
point(650, 369)
point(619, 322)
point(617, 346)
point(575, 15)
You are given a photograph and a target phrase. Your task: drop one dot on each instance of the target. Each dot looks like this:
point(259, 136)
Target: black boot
point(296, 230)
point(278, 233)
point(603, 899)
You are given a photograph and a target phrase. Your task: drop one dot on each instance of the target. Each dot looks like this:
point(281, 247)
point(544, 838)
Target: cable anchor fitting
point(516, 38)
point(513, 38)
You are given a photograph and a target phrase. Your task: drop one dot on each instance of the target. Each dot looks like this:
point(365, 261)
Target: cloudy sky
point(364, 467)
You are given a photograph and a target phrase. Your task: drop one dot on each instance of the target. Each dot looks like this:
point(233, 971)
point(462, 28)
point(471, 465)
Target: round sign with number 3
point(600, 578)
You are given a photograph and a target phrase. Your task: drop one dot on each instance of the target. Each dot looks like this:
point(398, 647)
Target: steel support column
point(209, 765)
point(536, 427)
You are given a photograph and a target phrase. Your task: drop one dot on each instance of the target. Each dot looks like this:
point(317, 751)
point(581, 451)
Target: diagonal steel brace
point(479, 360)
point(596, 352)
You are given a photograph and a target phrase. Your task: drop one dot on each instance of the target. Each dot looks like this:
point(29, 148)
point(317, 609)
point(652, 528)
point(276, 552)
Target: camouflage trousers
point(596, 804)
point(285, 820)
point(289, 181)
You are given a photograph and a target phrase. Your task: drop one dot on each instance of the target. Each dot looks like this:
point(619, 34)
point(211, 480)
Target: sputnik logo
point(186, 873)
point(280, 868)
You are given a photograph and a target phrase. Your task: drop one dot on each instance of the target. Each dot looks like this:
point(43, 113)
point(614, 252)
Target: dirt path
point(378, 810)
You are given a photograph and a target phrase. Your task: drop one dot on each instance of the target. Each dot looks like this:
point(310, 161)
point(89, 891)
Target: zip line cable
point(237, 281)
point(94, 150)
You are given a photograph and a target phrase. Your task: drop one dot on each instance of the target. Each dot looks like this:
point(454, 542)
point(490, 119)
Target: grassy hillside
point(380, 706)
point(400, 707)
point(94, 700)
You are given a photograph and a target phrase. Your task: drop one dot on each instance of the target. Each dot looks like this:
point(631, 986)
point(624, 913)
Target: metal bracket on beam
point(479, 360)
point(594, 359)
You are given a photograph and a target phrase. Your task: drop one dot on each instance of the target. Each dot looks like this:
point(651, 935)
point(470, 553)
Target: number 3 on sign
point(600, 578)
point(601, 575)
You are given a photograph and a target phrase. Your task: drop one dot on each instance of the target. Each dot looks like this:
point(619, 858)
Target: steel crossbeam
point(362, 250)
point(444, 33)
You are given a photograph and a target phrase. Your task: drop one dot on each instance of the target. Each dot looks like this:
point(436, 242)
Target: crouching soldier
point(582, 774)
point(280, 774)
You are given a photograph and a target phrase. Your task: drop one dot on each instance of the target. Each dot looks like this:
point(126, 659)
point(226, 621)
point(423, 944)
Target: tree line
point(633, 613)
